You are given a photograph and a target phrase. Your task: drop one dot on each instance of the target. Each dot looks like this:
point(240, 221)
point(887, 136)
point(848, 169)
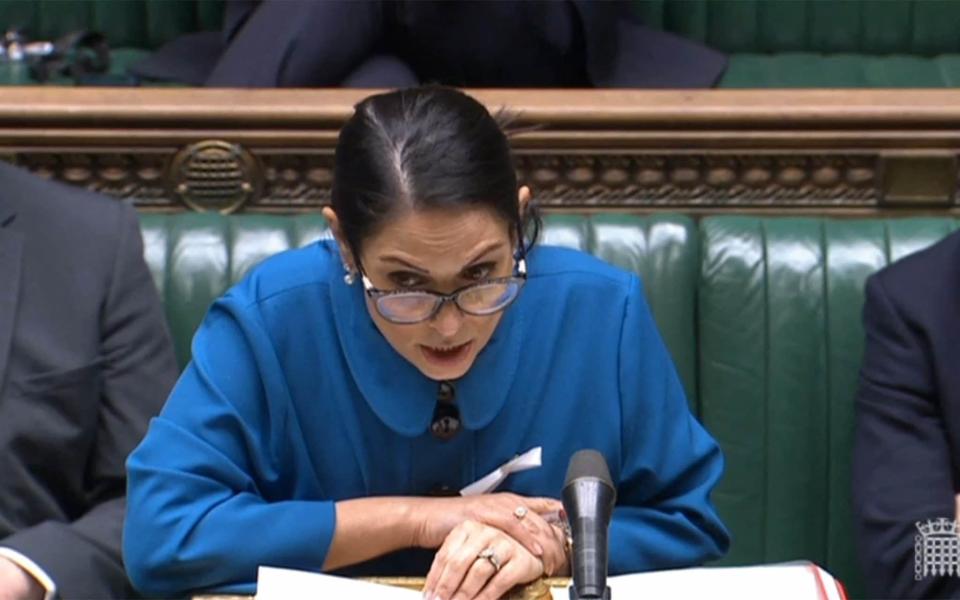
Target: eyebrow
point(485, 251)
point(400, 261)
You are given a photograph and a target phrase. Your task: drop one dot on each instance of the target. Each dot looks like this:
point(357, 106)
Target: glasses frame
point(519, 277)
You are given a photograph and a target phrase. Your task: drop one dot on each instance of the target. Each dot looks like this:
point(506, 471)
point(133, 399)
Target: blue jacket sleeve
point(664, 518)
point(199, 512)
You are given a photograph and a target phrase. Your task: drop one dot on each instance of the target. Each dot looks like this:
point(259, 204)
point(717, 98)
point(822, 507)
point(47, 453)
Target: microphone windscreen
point(588, 463)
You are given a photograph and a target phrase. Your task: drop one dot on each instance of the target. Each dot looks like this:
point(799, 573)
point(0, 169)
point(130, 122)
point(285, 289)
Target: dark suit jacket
point(85, 361)
point(507, 43)
point(906, 458)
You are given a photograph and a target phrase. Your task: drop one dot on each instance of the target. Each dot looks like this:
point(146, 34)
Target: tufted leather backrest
point(925, 27)
point(780, 342)
point(761, 315)
point(126, 23)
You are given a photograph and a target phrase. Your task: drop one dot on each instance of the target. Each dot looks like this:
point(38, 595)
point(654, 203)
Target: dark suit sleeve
point(83, 557)
point(624, 54)
point(297, 44)
point(901, 464)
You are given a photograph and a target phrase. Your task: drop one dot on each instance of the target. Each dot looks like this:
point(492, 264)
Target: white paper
point(531, 459)
point(786, 581)
point(285, 584)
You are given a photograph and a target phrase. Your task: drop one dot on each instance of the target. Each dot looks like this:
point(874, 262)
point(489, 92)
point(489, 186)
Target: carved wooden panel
point(275, 180)
point(272, 150)
point(696, 179)
point(139, 176)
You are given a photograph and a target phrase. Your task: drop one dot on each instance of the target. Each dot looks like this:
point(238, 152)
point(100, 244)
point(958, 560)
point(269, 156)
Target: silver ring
point(488, 555)
point(520, 512)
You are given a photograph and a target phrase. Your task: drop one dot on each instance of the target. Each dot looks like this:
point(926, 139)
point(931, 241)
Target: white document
point(787, 581)
point(289, 584)
point(531, 459)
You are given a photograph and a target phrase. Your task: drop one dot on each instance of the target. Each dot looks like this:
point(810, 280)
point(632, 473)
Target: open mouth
point(445, 355)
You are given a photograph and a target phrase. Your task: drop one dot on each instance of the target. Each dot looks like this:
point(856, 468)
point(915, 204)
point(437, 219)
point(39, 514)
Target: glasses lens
point(407, 307)
point(488, 298)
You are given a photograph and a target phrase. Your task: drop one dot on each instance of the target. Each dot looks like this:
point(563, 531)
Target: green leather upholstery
point(921, 27)
point(761, 315)
point(821, 43)
point(843, 70)
point(132, 27)
point(780, 340)
point(144, 24)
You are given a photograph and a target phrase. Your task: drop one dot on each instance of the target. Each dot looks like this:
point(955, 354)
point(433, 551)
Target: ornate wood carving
point(290, 181)
point(272, 150)
point(681, 180)
point(296, 180)
point(138, 176)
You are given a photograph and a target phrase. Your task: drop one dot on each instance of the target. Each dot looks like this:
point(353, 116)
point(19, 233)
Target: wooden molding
point(718, 150)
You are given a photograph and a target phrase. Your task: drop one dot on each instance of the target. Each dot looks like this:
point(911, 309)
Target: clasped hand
point(488, 544)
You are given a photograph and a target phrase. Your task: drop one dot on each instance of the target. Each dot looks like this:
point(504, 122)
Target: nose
point(447, 322)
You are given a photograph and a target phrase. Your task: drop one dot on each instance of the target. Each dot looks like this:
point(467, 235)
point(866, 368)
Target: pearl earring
point(350, 276)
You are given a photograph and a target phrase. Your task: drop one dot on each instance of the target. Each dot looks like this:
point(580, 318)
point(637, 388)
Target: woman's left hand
point(479, 561)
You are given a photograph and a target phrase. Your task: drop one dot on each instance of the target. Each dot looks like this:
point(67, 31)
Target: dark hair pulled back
point(421, 148)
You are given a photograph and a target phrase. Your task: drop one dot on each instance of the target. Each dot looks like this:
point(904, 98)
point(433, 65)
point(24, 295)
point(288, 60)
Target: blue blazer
point(907, 448)
point(294, 401)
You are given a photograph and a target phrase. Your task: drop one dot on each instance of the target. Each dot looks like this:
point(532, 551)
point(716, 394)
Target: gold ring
point(520, 512)
point(488, 555)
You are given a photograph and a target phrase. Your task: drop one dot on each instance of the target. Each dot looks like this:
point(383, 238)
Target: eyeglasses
point(480, 299)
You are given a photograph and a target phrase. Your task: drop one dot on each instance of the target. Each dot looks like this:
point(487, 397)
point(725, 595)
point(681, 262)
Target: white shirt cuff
point(33, 569)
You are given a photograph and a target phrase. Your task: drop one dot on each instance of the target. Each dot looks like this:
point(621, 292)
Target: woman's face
point(440, 251)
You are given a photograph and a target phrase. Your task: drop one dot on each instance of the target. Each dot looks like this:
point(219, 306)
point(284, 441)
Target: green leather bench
point(762, 316)
point(821, 43)
point(771, 43)
point(133, 28)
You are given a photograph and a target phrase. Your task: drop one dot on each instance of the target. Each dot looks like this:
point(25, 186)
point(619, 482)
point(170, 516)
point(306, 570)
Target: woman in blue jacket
point(339, 387)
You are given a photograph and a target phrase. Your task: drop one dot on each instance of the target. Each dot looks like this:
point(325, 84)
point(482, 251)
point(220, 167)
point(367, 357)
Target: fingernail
point(537, 548)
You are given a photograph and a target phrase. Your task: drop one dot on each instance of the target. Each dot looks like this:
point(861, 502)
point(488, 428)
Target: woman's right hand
point(478, 561)
point(437, 517)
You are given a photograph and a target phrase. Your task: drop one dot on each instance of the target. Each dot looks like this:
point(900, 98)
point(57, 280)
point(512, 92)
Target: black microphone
point(588, 499)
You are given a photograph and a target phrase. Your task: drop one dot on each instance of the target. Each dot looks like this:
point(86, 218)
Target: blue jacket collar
point(397, 392)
